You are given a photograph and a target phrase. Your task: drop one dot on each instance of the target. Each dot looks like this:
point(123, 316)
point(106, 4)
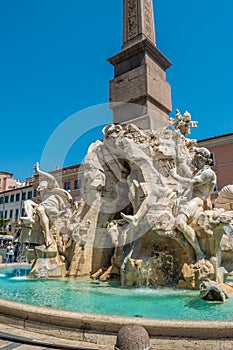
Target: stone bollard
point(132, 337)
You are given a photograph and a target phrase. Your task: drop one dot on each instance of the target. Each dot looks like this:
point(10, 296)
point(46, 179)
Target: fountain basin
point(84, 326)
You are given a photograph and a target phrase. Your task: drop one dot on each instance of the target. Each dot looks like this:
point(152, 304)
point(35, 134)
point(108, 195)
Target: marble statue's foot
point(48, 243)
point(106, 275)
point(41, 247)
point(47, 249)
point(48, 240)
point(45, 253)
point(130, 219)
point(97, 274)
point(27, 220)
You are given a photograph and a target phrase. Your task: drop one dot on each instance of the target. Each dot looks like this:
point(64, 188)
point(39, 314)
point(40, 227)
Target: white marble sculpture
point(50, 228)
point(160, 184)
point(145, 214)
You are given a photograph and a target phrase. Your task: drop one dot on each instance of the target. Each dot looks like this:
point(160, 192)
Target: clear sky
point(53, 63)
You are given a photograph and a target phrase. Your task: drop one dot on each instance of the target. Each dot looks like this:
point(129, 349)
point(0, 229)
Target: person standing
point(10, 253)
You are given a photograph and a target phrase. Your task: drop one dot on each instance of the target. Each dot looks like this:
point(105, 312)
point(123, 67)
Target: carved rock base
point(194, 274)
point(47, 263)
point(131, 272)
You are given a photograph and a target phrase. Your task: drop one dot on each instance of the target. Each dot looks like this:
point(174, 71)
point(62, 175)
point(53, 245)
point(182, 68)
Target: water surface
point(85, 295)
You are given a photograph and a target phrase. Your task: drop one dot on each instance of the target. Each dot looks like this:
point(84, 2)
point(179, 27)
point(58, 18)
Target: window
point(212, 156)
point(23, 212)
point(23, 196)
point(5, 214)
point(29, 194)
point(1, 200)
point(6, 199)
point(34, 192)
point(67, 186)
point(1, 214)
point(11, 213)
point(16, 214)
point(216, 187)
point(12, 198)
point(76, 185)
point(17, 196)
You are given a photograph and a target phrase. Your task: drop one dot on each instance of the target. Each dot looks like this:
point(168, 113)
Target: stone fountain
point(145, 215)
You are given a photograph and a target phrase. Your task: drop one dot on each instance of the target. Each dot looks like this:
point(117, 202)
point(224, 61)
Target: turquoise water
point(85, 295)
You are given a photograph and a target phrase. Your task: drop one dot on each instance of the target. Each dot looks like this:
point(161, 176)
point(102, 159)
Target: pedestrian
point(10, 253)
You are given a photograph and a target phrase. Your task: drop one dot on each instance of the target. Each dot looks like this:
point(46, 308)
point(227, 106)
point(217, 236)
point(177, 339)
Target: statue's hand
point(171, 169)
point(173, 172)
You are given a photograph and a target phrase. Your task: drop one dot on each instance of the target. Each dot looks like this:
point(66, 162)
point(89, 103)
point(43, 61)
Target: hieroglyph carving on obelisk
point(138, 20)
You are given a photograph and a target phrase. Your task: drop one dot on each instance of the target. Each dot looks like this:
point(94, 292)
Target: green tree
point(3, 223)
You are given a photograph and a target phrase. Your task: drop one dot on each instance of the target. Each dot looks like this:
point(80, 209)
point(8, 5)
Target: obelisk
point(139, 92)
point(138, 21)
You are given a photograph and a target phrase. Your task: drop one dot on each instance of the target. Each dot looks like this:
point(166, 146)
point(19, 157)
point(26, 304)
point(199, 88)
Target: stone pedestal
point(47, 263)
point(139, 92)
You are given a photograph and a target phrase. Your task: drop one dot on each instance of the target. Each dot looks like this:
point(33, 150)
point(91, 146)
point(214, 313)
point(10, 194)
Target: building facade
point(221, 148)
point(68, 179)
point(8, 182)
point(12, 205)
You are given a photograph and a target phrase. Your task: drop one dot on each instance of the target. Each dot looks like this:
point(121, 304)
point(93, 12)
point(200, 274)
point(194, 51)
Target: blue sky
point(53, 64)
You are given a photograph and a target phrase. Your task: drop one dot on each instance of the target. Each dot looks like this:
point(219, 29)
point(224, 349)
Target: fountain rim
point(108, 324)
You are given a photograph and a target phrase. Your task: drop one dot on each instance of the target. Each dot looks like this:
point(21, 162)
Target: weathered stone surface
point(157, 249)
point(212, 291)
point(140, 72)
point(145, 215)
point(54, 232)
point(138, 20)
point(132, 337)
point(225, 198)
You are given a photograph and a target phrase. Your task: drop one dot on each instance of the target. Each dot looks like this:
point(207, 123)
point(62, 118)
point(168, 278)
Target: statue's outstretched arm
point(50, 178)
point(185, 181)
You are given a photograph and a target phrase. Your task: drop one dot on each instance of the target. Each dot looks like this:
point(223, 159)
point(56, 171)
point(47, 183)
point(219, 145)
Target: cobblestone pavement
point(13, 344)
point(51, 342)
point(10, 345)
point(162, 344)
point(7, 345)
point(20, 339)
